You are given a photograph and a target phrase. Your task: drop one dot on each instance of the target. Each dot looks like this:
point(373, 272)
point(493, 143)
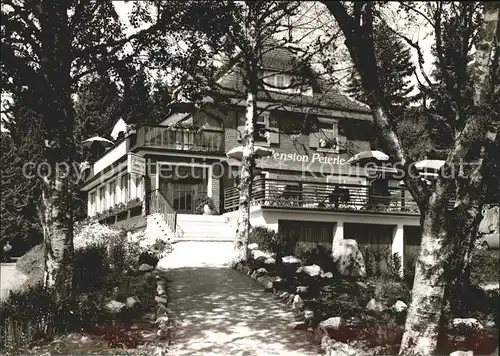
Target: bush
point(382, 262)
point(200, 204)
point(485, 266)
point(32, 260)
point(271, 241)
point(320, 255)
point(91, 267)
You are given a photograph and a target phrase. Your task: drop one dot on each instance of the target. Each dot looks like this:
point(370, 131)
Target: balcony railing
point(159, 204)
point(326, 196)
point(204, 140)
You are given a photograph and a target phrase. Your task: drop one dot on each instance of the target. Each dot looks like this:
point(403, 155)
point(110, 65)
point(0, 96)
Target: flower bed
point(363, 316)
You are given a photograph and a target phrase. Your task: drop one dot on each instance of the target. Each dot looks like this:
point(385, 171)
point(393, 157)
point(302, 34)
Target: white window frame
point(125, 190)
point(272, 79)
point(92, 202)
point(265, 115)
point(112, 193)
point(102, 198)
point(335, 133)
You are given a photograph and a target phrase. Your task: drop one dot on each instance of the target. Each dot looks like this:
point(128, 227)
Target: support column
point(338, 232)
point(398, 245)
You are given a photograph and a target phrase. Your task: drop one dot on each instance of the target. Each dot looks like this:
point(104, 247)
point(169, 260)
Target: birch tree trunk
point(55, 208)
point(251, 58)
point(246, 179)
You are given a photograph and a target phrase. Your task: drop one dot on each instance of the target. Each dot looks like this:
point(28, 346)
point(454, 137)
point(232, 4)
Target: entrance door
point(182, 190)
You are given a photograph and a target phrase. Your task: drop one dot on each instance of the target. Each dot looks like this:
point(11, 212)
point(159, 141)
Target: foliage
point(485, 266)
point(389, 291)
point(200, 205)
point(272, 241)
point(381, 262)
point(31, 260)
point(319, 254)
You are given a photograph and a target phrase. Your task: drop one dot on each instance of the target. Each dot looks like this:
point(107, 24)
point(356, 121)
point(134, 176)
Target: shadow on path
point(218, 311)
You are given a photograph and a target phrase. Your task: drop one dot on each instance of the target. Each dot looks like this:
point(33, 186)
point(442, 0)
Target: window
point(326, 136)
point(279, 81)
point(92, 202)
point(102, 198)
point(124, 188)
point(112, 193)
point(138, 187)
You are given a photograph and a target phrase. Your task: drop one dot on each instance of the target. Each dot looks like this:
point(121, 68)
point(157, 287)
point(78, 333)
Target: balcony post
point(398, 245)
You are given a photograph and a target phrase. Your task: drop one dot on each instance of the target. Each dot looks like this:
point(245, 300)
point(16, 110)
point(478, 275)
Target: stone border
point(293, 300)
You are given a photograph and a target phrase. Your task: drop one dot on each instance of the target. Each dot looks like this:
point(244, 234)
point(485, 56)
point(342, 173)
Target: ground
point(219, 311)
point(11, 279)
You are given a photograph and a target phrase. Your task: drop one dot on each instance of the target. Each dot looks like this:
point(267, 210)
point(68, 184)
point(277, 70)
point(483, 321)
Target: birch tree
point(465, 185)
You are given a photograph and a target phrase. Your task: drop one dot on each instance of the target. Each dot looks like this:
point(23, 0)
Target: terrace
point(324, 196)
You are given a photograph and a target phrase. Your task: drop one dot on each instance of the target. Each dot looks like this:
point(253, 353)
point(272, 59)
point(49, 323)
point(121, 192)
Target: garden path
point(219, 311)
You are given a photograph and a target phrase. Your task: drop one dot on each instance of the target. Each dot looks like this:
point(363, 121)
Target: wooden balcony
point(183, 139)
point(324, 196)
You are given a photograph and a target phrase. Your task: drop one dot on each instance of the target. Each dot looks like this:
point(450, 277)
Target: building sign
point(136, 164)
point(316, 157)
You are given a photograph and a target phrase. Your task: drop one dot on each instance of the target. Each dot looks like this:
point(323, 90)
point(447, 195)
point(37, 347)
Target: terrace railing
point(159, 204)
point(184, 139)
point(322, 195)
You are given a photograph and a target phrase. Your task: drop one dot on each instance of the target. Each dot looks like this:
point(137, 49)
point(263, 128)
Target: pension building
point(158, 177)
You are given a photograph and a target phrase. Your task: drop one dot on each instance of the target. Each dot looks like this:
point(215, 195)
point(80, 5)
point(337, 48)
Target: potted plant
point(205, 206)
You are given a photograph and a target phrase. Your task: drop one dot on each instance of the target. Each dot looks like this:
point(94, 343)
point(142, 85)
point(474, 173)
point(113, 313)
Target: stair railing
point(158, 203)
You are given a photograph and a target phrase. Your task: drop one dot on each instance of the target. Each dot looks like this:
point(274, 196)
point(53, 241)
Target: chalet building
point(154, 175)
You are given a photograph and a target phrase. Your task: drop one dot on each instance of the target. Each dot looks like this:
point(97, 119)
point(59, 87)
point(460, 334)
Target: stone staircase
point(204, 228)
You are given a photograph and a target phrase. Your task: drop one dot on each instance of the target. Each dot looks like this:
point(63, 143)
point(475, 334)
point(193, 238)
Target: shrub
point(200, 204)
point(271, 241)
point(485, 266)
point(390, 291)
point(31, 260)
point(382, 262)
point(319, 254)
point(91, 267)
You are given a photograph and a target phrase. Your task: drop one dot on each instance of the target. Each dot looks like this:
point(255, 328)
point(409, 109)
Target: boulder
point(342, 349)
point(375, 306)
point(130, 302)
point(270, 261)
point(331, 323)
point(462, 353)
point(258, 273)
point(162, 319)
point(328, 275)
point(348, 258)
point(260, 255)
point(297, 303)
point(160, 289)
point(312, 270)
point(291, 260)
point(145, 267)
point(301, 289)
point(308, 315)
point(253, 246)
point(265, 282)
point(399, 306)
point(115, 307)
point(467, 323)
point(284, 295)
point(161, 300)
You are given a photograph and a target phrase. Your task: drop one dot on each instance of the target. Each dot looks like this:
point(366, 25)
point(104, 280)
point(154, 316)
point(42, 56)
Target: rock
point(327, 275)
point(84, 339)
point(348, 258)
point(326, 343)
point(291, 260)
point(331, 323)
point(161, 319)
point(301, 289)
point(462, 353)
point(261, 272)
point(297, 303)
point(145, 267)
point(313, 270)
point(253, 246)
point(308, 315)
point(161, 300)
point(265, 282)
point(161, 310)
point(115, 307)
point(375, 306)
point(284, 295)
point(290, 299)
point(260, 255)
point(160, 289)
point(341, 349)
point(399, 306)
point(468, 323)
point(131, 302)
point(270, 261)
point(160, 351)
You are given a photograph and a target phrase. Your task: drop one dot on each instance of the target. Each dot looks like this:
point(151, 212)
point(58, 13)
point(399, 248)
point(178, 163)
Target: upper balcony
point(183, 139)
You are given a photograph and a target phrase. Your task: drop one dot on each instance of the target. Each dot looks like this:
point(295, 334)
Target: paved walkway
point(219, 311)
point(11, 279)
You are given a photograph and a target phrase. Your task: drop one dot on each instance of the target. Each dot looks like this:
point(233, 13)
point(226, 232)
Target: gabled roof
point(283, 59)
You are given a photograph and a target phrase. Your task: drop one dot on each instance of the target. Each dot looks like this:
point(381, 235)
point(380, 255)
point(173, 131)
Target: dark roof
point(284, 59)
